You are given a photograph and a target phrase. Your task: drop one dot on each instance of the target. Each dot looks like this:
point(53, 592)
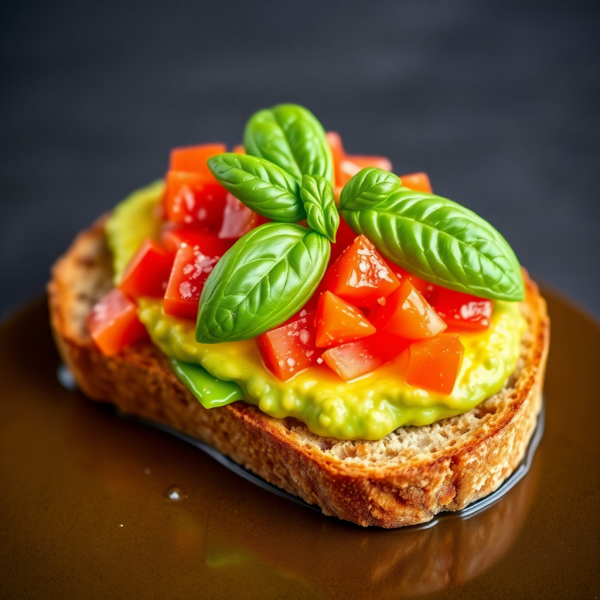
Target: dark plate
point(87, 508)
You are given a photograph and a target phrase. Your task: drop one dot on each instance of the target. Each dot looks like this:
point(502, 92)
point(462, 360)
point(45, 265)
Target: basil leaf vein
point(261, 185)
point(319, 203)
point(441, 242)
point(291, 137)
point(367, 188)
point(260, 282)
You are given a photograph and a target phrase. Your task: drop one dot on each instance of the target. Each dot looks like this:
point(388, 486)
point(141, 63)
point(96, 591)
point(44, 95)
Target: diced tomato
point(339, 322)
point(407, 314)
point(343, 238)
point(461, 310)
point(238, 219)
point(426, 288)
point(352, 164)
point(360, 276)
point(290, 349)
point(419, 182)
point(193, 158)
point(174, 236)
point(434, 363)
point(239, 149)
point(192, 266)
point(355, 359)
point(346, 166)
point(194, 198)
point(148, 272)
point(114, 324)
point(337, 154)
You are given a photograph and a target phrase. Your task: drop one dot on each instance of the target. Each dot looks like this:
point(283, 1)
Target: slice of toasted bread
point(403, 479)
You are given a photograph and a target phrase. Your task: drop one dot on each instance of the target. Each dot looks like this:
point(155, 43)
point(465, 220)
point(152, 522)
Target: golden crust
point(368, 491)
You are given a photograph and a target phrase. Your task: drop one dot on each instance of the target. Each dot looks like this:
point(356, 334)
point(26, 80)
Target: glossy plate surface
point(97, 507)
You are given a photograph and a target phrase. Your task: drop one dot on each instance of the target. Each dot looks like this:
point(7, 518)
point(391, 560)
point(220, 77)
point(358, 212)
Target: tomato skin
point(194, 198)
point(289, 349)
point(148, 272)
point(352, 164)
point(434, 363)
point(238, 219)
point(360, 275)
point(355, 359)
point(338, 322)
point(419, 182)
point(424, 287)
point(462, 311)
point(174, 236)
point(407, 314)
point(113, 323)
point(239, 149)
point(343, 238)
point(337, 154)
point(191, 268)
point(193, 158)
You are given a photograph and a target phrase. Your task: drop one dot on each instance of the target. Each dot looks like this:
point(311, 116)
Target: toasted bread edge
point(140, 382)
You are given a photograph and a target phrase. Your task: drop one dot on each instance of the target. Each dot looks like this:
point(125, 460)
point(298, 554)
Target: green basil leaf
point(262, 186)
point(290, 136)
point(321, 213)
point(441, 242)
point(260, 282)
point(368, 188)
point(210, 391)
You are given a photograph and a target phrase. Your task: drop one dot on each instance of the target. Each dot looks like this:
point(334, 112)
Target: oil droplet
point(175, 494)
point(147, 471)
point(120, 524)
point(66, 379)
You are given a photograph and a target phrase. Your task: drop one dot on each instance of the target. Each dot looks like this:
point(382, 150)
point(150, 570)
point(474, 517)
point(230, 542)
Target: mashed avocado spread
point(367, 408)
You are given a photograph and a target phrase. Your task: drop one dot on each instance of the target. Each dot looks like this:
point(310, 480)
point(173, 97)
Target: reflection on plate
point(98, 507)
point(285, 539)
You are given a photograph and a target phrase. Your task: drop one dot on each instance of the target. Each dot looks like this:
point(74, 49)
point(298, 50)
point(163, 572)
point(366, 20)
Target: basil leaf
point(209, 391)
point(321, 213)
point(367, 188)
point(442, 242)
point(262, 186)
point(260, 282)
point(290, 136)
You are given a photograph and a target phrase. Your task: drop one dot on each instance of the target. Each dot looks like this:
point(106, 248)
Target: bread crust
point(385, 493)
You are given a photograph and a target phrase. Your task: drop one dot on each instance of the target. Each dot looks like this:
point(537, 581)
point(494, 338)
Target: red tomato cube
point(461, 310)
point(407, 314)
point(419, 182)
point(148, 272)
point(193, 158)
point(352, 164)
point(339, 322)
point(114, 324)
point(424, 287)
point(337, 154)
point(360, 275)
point(356, 359)
point(174, 236)
point(192, 267)
point(239, 149)
point(434, 363)
point(343, 238)
point(290, 349)
point(238, 219)
point(194, 198)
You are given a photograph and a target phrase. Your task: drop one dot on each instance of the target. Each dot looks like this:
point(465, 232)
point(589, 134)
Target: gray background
point(497, 101)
